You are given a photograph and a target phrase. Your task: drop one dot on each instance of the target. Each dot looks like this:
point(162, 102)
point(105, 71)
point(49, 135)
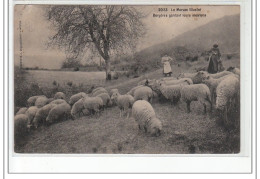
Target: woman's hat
point(215, 45)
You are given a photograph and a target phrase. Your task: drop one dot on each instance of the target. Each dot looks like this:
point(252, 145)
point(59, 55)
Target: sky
point(36, 30)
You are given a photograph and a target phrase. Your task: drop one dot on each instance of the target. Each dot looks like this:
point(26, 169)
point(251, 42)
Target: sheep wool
point(106, 99)
point(58, 101)
point(180, 81)
point(31, 112)
point(31, 100)
point(112, 91)
point(143, 93)
point(131, 92)
point(41, 101)
point(124, 102)
point(22, 111)
point(196, 92)
point(172, 92)
point(93, 104)
point(212, 84)
point(59, 95)
point(58, 113)
point(144, 115)
point(20, 126)
point(97, 89)
point(227, 90)
point(77, 108)
point(74, 98)
point(220, 74)
point(99, 92)
point(41, 115)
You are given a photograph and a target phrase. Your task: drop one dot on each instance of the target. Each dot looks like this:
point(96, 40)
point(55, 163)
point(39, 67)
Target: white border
point(143, 163)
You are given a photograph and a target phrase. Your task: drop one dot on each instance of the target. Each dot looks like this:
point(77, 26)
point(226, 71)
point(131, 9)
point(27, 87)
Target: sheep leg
point(205, 108)
point(188, 106)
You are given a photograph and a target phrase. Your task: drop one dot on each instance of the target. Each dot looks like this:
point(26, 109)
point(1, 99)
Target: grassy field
point(183, 132)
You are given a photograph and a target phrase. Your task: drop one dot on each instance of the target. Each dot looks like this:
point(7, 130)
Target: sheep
point(234, 70)
point(106, 99)
point(93, 104)
point(172, 92)
point(112, 91)
point(131, 92)
point(41, 115)
point(220, 74)
point(41, 101)
point(58, 113)
point(201, 75)
point(180, 81)
point(31, 100)
point(20, 127)
point(98, 88)
point(59, 95)
point(58, 101)
point(143, 82)
point(227, 92)
point(212, 84)
point(50, 100)
point(167, 79)
point(144, 115)
point(196, 92)
point(77, 108)
point(74, 98)
point(22, 110)
point(99, 92)
point(143, 93)
point(31, 112)
point(124, 102)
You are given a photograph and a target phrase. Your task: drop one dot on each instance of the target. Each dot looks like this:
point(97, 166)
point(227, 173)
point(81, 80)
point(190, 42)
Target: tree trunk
point(108, 70)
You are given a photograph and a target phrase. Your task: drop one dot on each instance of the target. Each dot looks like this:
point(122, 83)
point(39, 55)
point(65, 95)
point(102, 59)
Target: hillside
point(224, 31)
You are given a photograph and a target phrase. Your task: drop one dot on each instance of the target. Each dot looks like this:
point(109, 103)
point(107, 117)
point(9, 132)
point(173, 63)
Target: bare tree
point(107, 29)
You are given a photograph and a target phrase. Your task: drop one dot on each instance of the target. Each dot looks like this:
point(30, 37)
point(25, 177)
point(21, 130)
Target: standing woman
point(214, 59)
point(166, 65)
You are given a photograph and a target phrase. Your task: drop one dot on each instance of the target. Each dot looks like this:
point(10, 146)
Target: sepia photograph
point(126, 79)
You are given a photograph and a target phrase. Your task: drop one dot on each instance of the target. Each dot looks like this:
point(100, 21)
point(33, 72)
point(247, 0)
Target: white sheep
point(171, 92)
point(58, 113)
point(227, 92)
point(131, 92)
point(77, 108)
point(143, 93)
point(58, 101)
point(106, 99)
point(234, 70)
point(124, 102)
point(98, 92)
point(196, 92)
point(112, 91)
point(31, 112)
point(144, 115)
point(41, 115)
point(59, 95)
point(201, 75)
point(20, 127)
point(143, 82)
point(179, 81)
point(50, 100)
point(98, 88)
point(22, 110)
point(41, 101)
point(167, 79)
point(31, 100)
point(212, 83)
point(93, 104)
point(74, 98)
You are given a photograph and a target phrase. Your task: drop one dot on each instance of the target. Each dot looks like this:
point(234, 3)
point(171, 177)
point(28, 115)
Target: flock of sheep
point(218, 89)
